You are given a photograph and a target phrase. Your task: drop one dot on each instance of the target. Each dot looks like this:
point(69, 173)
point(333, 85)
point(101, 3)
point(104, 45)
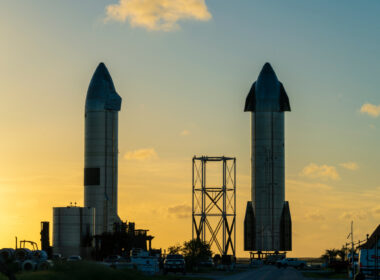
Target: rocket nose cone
point(267, 94)
point(267, 67)
point(101, 93)
point(267, 73)
point(101, 75)
point(101, 68)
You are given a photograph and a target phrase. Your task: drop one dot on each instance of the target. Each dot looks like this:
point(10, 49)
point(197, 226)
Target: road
point(267, 272)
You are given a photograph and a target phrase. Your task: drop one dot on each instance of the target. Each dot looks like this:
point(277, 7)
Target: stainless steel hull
point(101, 166)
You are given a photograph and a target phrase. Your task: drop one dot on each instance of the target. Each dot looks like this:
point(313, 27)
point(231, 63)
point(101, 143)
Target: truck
point(369, 256)
point(369, 261)
point(174, 263)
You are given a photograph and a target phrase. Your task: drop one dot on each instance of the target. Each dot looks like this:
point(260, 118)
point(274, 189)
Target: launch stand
point(214, 207)
point(267, 255)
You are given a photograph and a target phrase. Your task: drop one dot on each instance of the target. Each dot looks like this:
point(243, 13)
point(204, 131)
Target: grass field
point(91, 271)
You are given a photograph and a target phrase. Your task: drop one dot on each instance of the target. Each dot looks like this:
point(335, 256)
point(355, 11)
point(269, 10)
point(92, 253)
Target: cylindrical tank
point(73, 228)
point(268, 169)
point(101, 152)
point(22, 254)
point(39, 255)
point(7, 254)
point(28, 265)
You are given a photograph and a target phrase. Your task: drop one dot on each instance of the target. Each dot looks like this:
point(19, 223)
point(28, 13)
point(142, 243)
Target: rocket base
point(250, 226)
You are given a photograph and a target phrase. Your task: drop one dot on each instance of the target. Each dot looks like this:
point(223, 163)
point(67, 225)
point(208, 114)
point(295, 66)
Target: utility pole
point(377, 257)
point(352, 250)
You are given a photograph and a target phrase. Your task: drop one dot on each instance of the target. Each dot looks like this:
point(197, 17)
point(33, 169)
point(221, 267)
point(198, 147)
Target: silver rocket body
point(267, 222)
point(101, 150)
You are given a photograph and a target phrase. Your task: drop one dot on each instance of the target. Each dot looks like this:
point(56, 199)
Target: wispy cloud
point(157, 14)
point(181, 211)
point(370, 109)
point(376, 211)
point(354, 215)
point(141, 154)
point(185, 132)
point(320, 171)
point(350, 165)
point(314, 215)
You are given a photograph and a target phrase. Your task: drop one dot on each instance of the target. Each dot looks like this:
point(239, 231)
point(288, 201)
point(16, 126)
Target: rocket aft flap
point(267, 224)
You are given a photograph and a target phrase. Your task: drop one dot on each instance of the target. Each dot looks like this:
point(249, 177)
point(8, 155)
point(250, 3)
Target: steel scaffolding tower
point(214, 206)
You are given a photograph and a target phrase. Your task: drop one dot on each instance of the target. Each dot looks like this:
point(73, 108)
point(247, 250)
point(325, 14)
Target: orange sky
point(183, 73)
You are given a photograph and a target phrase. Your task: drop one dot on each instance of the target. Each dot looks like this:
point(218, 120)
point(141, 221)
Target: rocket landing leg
point(286, 229)
point(249, 228)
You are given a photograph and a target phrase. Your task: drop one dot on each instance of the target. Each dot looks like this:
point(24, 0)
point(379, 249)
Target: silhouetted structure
point(267, 224)
point(45, 238)
point(76, 228)
point(121, 241)
point(215, 203)
point(101, 149)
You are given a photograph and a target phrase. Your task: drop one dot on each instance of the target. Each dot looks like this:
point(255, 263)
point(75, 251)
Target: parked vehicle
point(272, 259)
point(293, 262)
point(256, 262)
point(74, 258)
point(174, 263)
point(113, 259)
point(228, 263)
point(207, 262)
point(142, 261)
point(56, 257)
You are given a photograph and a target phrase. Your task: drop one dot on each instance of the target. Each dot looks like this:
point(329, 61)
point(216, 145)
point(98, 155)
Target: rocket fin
point(250, 101)
point(249, 228)
point(284, 99)
point(286, 229)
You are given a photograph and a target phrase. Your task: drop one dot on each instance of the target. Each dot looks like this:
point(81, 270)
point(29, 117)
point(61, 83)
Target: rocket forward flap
point(284, 99)
point(286, 229)
point(249, 228)
point(250, 100)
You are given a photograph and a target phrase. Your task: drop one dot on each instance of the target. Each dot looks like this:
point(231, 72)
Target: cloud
point(185, 132)
point(181, 211)
point(376, 211)
point(354, 215)
point(314, 215)
point(370, 109)
point(320, 171)
point(157, 14)
point(141, 154)
point(350, 165)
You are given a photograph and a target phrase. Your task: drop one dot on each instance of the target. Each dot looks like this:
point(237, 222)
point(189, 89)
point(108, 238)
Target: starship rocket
point(101, 149)
point(267, 223)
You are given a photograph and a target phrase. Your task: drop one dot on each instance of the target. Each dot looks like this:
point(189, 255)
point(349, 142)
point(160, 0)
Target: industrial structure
point(121, 241)
point(73, 230)
point(214, 206)
point(267, 224)
point(95, 230)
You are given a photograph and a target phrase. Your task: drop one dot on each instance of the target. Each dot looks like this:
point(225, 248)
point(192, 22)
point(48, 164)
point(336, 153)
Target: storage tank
point(73, 229)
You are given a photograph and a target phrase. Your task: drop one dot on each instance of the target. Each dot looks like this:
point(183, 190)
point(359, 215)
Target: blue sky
point(183, 93)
